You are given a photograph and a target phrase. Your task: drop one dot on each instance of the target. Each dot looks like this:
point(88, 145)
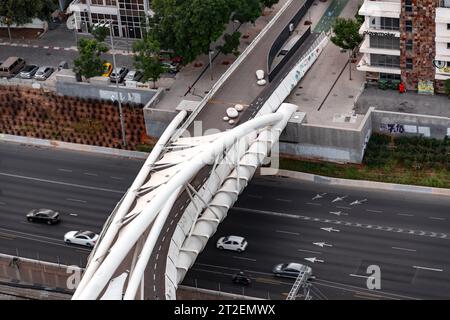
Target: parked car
point(43, 73)
point(133, 75)
point(29, 71)
point(171, 67)
point(118, 74)
point(47, 216)
point(241, 278)
point(63, 65)
point(82, 238)
point(290, 270)
point(11, 66)
point(260, 78)
point(233, 243)
point(107, 69)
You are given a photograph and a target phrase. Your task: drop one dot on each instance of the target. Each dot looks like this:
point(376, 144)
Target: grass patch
point(405, 160)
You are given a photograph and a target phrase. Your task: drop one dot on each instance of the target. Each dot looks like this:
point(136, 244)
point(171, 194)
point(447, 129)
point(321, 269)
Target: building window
point(448, 26)
point(409, 44)
point(384, 23)
point(389, 76)
point(383, 60)
point(408, 25)
point(409, 63)
point(384, 42)
point(408, 6)
point(448, 45)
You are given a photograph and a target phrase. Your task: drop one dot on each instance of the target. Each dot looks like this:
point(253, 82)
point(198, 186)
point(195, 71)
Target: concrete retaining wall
point(407, 124)
point(90, 90)
point(36, 274)
point(157, 120)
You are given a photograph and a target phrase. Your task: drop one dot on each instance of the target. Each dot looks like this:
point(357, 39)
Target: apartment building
point(406, 40)
point(128, 17)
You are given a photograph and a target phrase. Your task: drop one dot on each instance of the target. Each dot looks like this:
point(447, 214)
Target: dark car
point(291, 270)
point(47, 216)
point(242, 279)
point(118, 74)
point(29, 71)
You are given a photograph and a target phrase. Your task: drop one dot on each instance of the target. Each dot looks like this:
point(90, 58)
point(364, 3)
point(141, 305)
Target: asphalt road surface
point(406, 235)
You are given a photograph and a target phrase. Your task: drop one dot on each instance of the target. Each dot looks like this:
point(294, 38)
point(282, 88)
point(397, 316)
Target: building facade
point(406, 40)
point(128, 17)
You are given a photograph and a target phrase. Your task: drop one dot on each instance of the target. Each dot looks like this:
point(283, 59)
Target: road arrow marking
point(339, 199)
point(322, 244)
point(339, 213)
point(313, 260)
point(318, 196)
point(330, 229)
point(358, 202)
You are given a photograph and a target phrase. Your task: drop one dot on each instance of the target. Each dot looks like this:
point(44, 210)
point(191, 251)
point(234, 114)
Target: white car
point(83, 238)
point(233, 243)
point(260, 78)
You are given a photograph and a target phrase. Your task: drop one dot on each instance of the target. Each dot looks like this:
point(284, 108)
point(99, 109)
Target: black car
point(241, 278)
point(47, 216)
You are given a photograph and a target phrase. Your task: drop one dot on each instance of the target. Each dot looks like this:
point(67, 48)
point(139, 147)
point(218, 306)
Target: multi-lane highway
point(83, 187)
point(406, 235)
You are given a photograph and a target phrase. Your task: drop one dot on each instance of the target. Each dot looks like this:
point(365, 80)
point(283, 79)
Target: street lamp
point(210, 63)
point(122, 122)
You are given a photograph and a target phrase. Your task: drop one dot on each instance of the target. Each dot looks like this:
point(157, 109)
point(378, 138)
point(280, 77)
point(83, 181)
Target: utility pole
point(122, 122)
point(210, 63)
point(350, 63)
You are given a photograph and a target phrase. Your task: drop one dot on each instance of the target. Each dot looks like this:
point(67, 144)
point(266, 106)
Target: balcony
point(366, 48)
point(364, 65)
point(380, 9)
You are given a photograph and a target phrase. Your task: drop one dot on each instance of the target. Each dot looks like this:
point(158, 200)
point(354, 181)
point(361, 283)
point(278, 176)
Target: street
point(341, 231)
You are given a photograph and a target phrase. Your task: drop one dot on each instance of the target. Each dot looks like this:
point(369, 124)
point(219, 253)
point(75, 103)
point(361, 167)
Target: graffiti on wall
point(392, 127)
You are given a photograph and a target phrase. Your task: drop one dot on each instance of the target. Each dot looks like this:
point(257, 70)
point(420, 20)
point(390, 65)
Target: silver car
point(29, 71)
point(118, 74)
point(133, 75)
point(43, 73)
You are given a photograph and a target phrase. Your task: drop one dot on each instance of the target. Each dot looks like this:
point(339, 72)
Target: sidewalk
point(196, 77)
point(325, 93)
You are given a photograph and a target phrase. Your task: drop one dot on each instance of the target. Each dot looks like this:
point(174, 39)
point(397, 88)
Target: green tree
point(231, 44)
point(20, 12)
point(89, 62)
point(246, 10)
point(100, 33)
point(146, 58)
point(447, 87)
point(346, 36)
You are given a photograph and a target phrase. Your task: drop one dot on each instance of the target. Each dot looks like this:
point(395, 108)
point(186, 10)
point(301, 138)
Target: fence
point(285, 34)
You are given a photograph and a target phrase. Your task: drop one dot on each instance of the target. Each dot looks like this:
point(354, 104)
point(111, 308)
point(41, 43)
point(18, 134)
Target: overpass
point(188, 183)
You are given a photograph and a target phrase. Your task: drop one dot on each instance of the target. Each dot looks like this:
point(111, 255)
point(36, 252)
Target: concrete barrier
point(357, 184)
point(72, 146)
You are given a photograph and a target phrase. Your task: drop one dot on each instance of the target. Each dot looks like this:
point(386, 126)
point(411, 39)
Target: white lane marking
point(318, 196)
point(46, 47)
point(427, 268)
point(90, 174)
point(313, 204)
point(314, 260)
point(309, 251)
point(330, 229)
point(436, 218)
point(243, 258)
point(60, 183)
point(65, 170)
point(116, 178)
point(357, 202)
point(55, 48)
point(374, 211)
point(339, 213)
point(352, 224)
point(405, 214)
point(339, 199)
point(73, 214)
point(284, 200)
point(345, 208)
point(404, 249)
point(322, 244)
point(358, 276)
point(76, 200)
point(288, 232)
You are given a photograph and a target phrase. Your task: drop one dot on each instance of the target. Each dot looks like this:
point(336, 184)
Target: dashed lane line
point(439, 235)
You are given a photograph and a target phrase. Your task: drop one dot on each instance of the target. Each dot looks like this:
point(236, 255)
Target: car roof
point(235, 238)
point(43, 210)
point(295, 266)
